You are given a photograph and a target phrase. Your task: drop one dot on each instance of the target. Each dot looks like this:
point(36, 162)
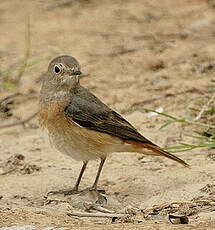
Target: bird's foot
point(74, 191)
point(65, 192)
point(96, 190)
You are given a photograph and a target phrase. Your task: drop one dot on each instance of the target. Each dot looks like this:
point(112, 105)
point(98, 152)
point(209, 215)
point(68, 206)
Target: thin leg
point(94, 187)
point(80, 175)
point(75, 189)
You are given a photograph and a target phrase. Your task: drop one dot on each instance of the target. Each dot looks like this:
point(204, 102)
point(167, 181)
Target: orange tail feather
point(159, 152)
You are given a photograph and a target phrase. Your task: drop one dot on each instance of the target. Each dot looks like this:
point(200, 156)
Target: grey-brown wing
point(88, 111)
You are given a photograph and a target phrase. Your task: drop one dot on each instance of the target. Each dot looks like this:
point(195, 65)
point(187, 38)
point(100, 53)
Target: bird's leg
point(80, 175)
point(94, 187)
point(75, 189)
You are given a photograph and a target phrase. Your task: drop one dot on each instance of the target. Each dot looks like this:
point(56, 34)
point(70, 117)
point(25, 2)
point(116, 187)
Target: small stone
point(178, 219)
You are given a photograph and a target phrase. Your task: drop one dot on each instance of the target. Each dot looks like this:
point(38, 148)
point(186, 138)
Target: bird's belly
point(76, 146)
point(81, 143)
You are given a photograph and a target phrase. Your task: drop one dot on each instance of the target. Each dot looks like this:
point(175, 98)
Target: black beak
point(77, 72)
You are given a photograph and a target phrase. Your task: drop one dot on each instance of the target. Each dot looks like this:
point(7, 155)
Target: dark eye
point(57, 69)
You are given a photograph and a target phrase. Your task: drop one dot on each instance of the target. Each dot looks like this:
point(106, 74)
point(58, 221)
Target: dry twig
point(9, 97)
point(97, 214)
point(22, 122)
point(205, 107)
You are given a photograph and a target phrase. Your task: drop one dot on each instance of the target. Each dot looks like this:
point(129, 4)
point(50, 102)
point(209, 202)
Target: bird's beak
point(78, 72)
point(83, 75)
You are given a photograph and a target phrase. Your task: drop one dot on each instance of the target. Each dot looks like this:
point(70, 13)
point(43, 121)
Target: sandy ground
point(144, 53)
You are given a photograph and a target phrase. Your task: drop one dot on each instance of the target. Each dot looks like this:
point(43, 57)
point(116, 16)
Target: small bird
point(83, 127)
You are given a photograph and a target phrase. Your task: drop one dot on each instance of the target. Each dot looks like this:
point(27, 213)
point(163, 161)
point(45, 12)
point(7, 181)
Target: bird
point(83, 127)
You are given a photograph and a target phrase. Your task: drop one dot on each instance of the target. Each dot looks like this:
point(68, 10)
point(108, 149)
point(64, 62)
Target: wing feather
point(88, 111)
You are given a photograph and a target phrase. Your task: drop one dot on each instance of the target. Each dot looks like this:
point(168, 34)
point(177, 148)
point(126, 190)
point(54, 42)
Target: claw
point(65, 192)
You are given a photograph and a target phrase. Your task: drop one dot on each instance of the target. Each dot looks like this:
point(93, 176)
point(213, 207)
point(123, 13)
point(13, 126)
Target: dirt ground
point(138, 54)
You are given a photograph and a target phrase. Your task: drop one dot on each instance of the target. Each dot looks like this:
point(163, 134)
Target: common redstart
point(83, 127)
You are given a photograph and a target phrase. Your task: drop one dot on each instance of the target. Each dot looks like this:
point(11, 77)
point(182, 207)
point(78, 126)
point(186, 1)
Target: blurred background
point(143, 58)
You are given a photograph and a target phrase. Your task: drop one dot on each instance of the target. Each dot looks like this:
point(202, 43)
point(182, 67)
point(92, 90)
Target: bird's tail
point(155, 150)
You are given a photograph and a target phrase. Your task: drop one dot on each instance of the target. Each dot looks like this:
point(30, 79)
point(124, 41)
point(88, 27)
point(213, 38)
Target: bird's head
point(61, 78)
point(64, 71)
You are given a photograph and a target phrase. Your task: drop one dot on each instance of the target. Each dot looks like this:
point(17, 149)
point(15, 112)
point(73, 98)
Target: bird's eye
point(57, 69)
